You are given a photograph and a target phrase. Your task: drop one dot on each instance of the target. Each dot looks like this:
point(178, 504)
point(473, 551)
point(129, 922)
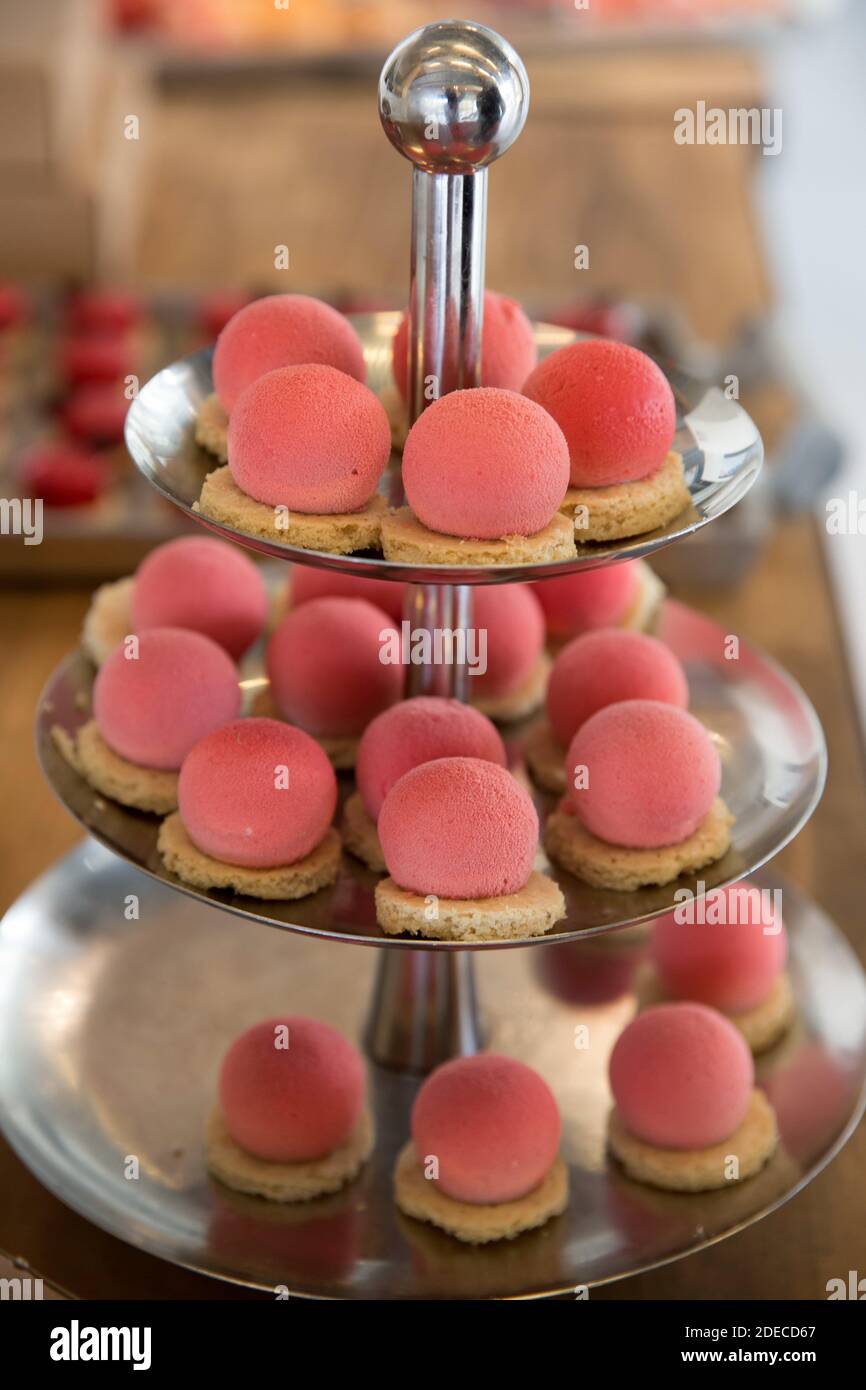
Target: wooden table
point(786, 607)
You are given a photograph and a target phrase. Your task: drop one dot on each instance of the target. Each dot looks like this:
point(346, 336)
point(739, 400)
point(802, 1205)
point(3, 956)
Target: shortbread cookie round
point(142, 788)
point(545, 757)
point(628, 509)
point(699, 1170)
point(212, 427)
point(474, 1223)
point(319, 869)
point(524, 700)
point(405, 539)
point(108, 619)
point(286, 1182)
point(339, 533)
point(530, 912)
point(360, 835)
point(761, 1026)
point(613, 866)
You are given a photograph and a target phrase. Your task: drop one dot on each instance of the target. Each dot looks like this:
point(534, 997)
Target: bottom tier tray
point(111, 1031)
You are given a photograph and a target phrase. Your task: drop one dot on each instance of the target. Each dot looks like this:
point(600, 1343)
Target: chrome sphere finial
point(453, 97)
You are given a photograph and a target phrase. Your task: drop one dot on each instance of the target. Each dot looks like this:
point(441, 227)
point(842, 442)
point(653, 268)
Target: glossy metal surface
point(774, 768)
point(720, 445)
point(111, 1033)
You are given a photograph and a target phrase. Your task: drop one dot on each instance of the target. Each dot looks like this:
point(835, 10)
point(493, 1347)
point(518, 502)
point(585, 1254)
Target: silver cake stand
point(111, 1029)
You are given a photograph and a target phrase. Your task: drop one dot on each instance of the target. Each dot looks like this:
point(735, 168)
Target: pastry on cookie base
point(285, 883)
point(699, 1170)
point(360, 835)
point(286, 1182)
point(530, 912)
point(613, 866)
point(524, 700)
point(628, 509)
point(338, 533)
point(761, 1026)
point(406, 540)
point(342, 749)
point(142, 788)
point(212, 427)
point(108, 619)
point(545, 757)
point(472, 1222)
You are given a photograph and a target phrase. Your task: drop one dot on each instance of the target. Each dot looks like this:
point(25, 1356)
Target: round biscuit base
point(530, 912)
point(108, 619)
point(338, 533)
point(628, 509)
point(212, 427)
point(286, 1182)
point(545, 757)
point(405, 539)
point(761, 1026)
point(699, 1170)
point(360, 835)
point(624, 870)
point(142, 788)
point(524, 700)
point(284, 883)
point(472, 1222)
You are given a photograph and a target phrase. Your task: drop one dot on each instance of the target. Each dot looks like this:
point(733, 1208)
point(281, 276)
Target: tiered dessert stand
point(120, 990)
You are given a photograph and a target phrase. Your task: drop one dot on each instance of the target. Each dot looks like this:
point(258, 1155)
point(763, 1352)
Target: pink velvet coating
point(310, 439)
point(257, 793)
point(151, 708)
point(604, 667)
point(324, 666)
point(458, 828)
point(583, 602)
point(682, 1076)
point(485, 463)
point(295, 1103)
point(614, 406)
point(203, 584)
point(652, 772)
point(508, 350)
point(728, 955)
point(282, 330)
point(308, 582)
point(512, 619)
point(419, 731)
point(491, 1123)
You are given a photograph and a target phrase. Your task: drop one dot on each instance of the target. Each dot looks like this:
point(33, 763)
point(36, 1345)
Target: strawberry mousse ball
point(614, 406)
point(730, 958)
point(485, 463)
point(420, 731)
point(204, 585)
point(459, 828)
point(581, 603)
point(257, 793)
point(307, 583)
point(157, 694)
point(325, 668)
point(651, 773)
point(508, 350)
point(682, 1077)
point(493, 1125)
point(308, 438)
point(510, 617)
point(605, 667)
point(282, 330)
point(291, 1090)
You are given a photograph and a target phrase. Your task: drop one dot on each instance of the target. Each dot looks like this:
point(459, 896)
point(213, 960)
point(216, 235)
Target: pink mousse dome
point(682, 1076)
point(459, 828)
point(485, 463)
point(508, 350)
point(258, 793)
point(419, 731)
point(614, 406)
point(295, 1103)
point(653, 774)
point(493, 1125)
point(325, 669)
point(583, 602)
point(308, 438)
point(308, 583)
point(151, 708)
point(602, 668)
point(511, 616)
point(729, 959)
point(204, 585)
point(282, 330)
